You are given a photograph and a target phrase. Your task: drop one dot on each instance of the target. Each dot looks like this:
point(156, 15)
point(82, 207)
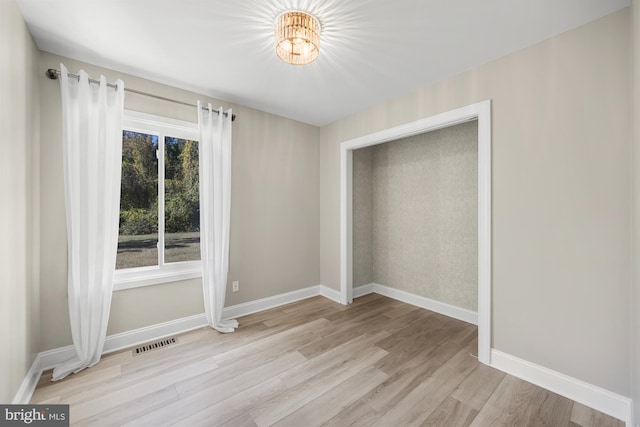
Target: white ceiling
point(370, 50)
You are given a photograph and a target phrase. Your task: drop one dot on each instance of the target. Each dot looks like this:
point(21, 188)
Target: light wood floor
point(378, 362)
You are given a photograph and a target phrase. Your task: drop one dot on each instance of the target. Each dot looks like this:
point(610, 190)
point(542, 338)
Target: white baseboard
point(262, 304)
point(330, 293)
point(363, 290)
point(51, 358)
point(602, 400)
point(419, 301)
point(29, 383)
point(117, 342)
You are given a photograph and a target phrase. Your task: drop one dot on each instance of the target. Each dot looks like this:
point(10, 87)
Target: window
point(159, 235)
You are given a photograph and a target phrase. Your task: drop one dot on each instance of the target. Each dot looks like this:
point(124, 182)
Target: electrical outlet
point(235, 286)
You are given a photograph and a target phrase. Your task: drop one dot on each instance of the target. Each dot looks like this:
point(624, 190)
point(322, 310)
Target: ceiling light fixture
point(297, 37)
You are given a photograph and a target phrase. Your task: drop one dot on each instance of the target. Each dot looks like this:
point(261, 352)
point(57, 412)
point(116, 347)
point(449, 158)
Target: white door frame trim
point(480, 111)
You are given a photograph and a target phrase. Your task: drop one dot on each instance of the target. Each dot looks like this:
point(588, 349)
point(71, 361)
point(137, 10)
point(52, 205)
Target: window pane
point(182, 201)
point(138, 238)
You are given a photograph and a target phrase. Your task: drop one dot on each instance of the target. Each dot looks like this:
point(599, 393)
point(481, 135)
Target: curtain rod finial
point(52, 74)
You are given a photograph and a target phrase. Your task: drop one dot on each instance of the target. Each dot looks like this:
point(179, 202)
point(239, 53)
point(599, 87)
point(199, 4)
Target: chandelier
point(297, 37)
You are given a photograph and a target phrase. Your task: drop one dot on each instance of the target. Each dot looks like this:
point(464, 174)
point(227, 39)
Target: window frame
point(128, 278)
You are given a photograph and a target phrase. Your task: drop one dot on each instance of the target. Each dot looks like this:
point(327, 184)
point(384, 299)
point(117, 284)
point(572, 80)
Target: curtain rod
point(54, 74)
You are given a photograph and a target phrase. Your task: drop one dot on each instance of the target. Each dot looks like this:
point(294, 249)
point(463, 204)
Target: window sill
point(147, 276)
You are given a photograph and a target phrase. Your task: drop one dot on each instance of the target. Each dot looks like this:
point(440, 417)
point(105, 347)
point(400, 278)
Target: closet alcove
point(415, 212)
point(415, 215)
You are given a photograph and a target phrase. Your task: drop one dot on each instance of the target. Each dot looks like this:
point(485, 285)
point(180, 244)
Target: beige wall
point(635, 294)
point(19, 151)
point(561, 195)
point(421, 194)
point(274, 244)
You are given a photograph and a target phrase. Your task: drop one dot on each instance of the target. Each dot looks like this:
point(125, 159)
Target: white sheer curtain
point(92, 151)
point(215, 211)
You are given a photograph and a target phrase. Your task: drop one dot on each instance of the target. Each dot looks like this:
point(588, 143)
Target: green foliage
point(139, 221)
point(139, 171)
point(139, 194)
point(182, 196)
point(181, 215)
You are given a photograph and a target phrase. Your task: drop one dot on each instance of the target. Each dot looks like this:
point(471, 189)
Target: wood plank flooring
point(378, 362)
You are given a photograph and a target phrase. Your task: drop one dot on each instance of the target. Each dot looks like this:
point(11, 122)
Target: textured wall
point(421, 196)
point(274, 245)
point(561, 186)
point(19, 213)
point(362, 229)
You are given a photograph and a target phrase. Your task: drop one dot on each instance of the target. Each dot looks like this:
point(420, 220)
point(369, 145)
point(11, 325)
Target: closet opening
point(433, 233)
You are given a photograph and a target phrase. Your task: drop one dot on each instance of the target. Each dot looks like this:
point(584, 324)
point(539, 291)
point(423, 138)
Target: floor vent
point(155, 345)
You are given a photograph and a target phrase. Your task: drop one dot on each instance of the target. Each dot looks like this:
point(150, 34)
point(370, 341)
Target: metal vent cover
point(154, 345)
